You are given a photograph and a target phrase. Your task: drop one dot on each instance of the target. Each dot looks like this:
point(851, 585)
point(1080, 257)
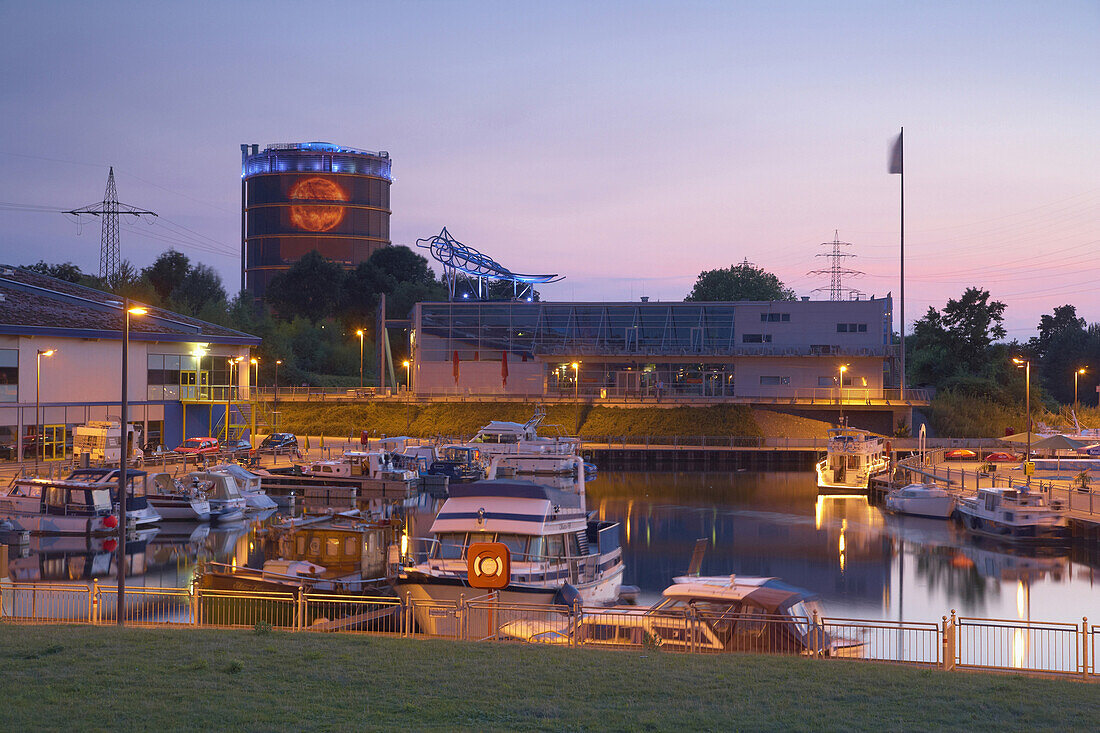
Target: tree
point(66, 271)
point(739, 282)
point(312, 288)
point(198, 289)
point(167, 272)
point(400, 264)
point(1062, 347)
point(974, 323)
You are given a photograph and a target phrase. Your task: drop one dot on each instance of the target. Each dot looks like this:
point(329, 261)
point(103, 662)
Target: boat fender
point(567, 595)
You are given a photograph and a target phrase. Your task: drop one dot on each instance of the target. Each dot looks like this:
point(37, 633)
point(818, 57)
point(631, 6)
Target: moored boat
point(1013, 515)
point(47, 506)
point(922, 500)
point(852, 457)
point(175, 500)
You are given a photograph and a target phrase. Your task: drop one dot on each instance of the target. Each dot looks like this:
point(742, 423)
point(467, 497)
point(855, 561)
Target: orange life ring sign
point(488, 565)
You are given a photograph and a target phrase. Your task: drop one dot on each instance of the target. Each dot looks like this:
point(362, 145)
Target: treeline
point(960, 350)
point(310, 316)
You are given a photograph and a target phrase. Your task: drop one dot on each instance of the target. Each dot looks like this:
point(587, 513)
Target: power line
point(837, 272)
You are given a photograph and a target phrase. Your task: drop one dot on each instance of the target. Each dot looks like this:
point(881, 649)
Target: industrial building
point(809, 354)
point(61, 356)
point(299, 197)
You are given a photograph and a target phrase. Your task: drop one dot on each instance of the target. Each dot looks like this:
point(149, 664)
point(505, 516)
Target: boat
point(730, 614)
point(366, 464)
point(852, 457)
point(49, 506)
point(1013, 515)
point(226, 502)
point(138, 511)
point(502, 437)
point(249, 484)
point(175, 500)
point(922, 500)
point(459, 463)
point(551, 540)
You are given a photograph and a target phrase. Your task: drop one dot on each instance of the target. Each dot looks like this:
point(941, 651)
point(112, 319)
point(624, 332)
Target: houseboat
point(1013, 515)
point(852, 457)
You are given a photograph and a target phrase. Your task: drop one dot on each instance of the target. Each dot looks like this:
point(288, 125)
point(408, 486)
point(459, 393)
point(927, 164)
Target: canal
point(864, 563)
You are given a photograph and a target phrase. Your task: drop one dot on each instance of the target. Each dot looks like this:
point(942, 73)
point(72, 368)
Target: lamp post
point(123, 459)
point(359, 333)
point(407, 393)
point(37, 402)
point(840, 392)
point(255, 382)
point(576, 393)
point(1076, 374)
point(275, 412)
point(1026, 364)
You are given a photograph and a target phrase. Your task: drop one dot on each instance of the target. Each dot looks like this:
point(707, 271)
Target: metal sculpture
point(461, 261)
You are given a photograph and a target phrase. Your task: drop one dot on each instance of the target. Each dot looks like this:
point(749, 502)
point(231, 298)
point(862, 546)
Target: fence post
point(816, 637)
point(93, 605)
point(195, 590)
point(576, 621)
point(1084, 647)
point(949, 630)
point(460, 616)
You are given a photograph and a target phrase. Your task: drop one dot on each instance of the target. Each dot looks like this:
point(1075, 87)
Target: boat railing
point(1020, 645)
point(427, 551)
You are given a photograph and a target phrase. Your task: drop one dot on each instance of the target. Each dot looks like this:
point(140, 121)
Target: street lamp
point(576, 386)
point(1077, 373)
point(37, 401)
point(1026, 364)
point(123, 459)
point(840, 392)
point(407, 373)
point(255, 382)
point(407, 394)
point(359, 333)
point(275, 412)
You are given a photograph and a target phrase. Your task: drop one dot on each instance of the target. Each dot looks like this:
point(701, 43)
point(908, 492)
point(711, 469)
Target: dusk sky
point(625, 145)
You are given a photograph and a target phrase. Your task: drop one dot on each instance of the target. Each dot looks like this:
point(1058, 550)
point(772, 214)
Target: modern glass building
point(745, 350)
point(299, 197)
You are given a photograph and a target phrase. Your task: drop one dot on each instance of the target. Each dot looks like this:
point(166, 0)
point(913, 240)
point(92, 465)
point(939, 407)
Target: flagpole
point(901, 148)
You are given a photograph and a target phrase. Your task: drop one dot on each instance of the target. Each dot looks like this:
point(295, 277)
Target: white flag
point(895, 155)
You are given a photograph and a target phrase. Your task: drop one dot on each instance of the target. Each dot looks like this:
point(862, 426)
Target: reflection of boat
point(550, 540)
point(1014, 515)
point(852, 457)
point(61, 558)
point(922, 500)
point(1006, 565)
point(730, 614)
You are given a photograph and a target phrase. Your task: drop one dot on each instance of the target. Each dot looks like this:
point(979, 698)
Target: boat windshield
point(802, 614)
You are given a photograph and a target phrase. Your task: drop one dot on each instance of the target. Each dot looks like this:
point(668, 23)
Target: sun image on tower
point(299, 197)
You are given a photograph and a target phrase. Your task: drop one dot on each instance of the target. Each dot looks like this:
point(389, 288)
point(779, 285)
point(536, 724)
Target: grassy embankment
point(464, 418)
point(961, 416)
point(104, 678)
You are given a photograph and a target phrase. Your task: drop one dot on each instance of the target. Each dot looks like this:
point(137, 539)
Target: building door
point(53, 442)
point(189, 384)
point(626, 383)
point(204, 385)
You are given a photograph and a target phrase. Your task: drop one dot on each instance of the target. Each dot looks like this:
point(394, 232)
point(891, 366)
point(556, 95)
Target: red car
point(198, 446)
point(1001, 457)
point(960, 454)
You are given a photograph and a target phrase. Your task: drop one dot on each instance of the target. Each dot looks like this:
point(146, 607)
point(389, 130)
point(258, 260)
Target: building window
point(775, 317)
point(774, 381)
point(9, 375)
point(851, 328)
point(756, 338)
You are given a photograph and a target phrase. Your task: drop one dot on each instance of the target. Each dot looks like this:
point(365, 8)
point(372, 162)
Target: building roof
point(35, 304)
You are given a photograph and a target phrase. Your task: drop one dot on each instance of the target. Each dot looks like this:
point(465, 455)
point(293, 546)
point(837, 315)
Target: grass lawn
point(76, 677)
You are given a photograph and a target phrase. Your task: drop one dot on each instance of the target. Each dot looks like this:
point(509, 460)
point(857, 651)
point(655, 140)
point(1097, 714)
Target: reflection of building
point(758, 351)
point(299, 197)
point(180, 378)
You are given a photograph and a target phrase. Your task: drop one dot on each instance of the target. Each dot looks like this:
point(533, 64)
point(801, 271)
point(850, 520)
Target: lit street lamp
point(37, 401)
point(359, 333)
point(840, 392)
point(1026, 364)
point(275, 411)
point(407, 373)
point(576, 387)
point(407, 393)
point(255, 382)
point(1076, 374)
point(123, 460)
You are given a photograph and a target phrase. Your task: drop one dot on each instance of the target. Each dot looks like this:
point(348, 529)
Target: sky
point(626, 145)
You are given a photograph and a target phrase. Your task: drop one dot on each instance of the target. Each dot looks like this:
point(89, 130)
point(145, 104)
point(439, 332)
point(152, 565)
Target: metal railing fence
point(1041, 647)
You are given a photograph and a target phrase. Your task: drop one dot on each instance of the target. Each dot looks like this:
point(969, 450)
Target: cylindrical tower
point(298, 197)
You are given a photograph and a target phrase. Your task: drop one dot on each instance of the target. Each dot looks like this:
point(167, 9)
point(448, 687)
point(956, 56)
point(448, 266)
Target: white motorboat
point(502, 437)
point(1013, 515)
point(248, 483)
point(922, 500)
point(224, 496)
point(174, 499)
point(852, 457)
point(552, 544)
point(47, 506)
point(138, 510)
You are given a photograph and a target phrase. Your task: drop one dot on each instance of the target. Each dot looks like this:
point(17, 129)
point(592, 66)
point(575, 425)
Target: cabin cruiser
point(248, 483)
point(731, 613)
point(227, 504)
point(551, 541)
point(47, 506)
point(368, 464)
point(174, 499)
point(852, 457)
point(138, 511)
point(500, 436)
point(459, 463)
point(922, 500)
point(1014, 515)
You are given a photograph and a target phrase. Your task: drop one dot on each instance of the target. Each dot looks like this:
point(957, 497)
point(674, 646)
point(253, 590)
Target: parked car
point(198, 446)
point(281, 442)
point(960, 454)
point(1002, 457)
point(239, 448)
